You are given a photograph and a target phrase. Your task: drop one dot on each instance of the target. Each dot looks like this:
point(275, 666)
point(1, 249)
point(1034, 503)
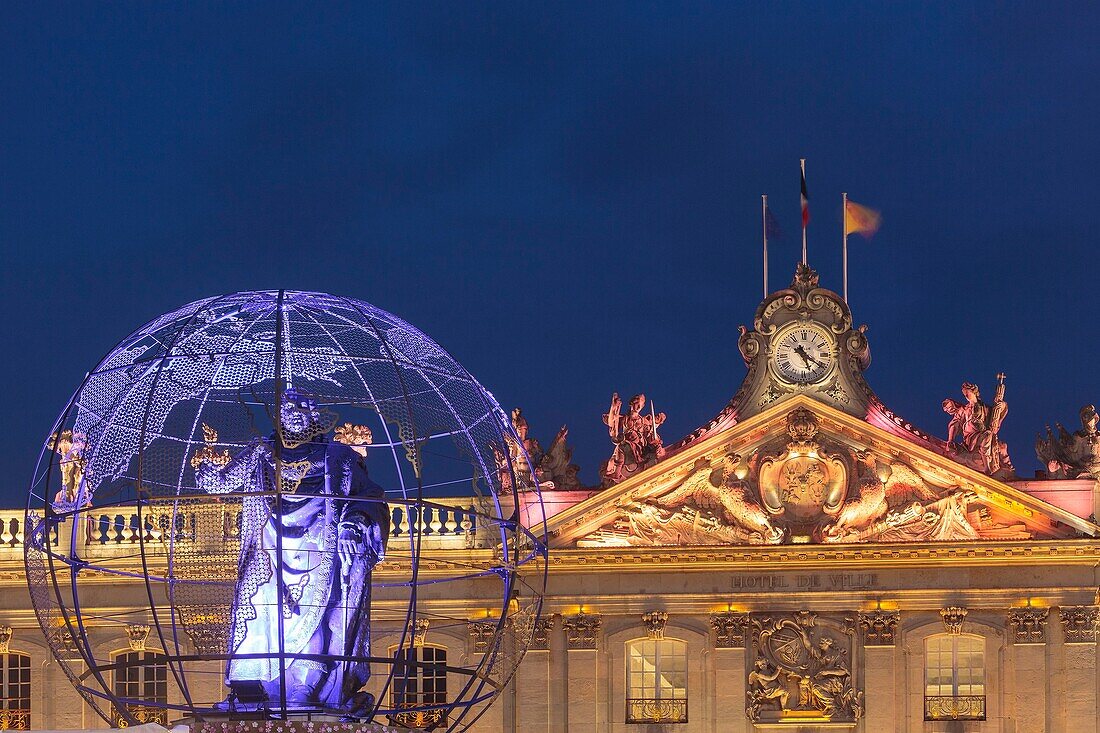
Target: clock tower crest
point(803, 342)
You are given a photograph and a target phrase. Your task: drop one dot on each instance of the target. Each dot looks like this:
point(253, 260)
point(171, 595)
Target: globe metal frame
point(144, 412)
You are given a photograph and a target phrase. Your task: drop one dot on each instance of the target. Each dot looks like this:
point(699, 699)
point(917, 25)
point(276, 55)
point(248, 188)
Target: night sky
point(566, 197)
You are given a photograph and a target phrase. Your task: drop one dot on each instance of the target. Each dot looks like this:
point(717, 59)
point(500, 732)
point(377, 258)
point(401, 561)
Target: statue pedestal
point(306, 723)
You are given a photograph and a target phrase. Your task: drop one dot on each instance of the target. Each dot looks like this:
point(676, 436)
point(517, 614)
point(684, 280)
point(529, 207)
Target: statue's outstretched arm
point(234, 475)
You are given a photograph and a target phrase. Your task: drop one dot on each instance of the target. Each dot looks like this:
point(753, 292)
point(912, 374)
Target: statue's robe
point(326, 606)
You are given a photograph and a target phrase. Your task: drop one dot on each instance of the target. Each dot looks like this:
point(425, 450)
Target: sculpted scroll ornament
point(801, 672)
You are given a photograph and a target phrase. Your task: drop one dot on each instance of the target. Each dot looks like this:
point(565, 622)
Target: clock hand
point(803, 355)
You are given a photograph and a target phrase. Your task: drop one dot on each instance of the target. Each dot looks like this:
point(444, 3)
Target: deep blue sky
point(567, 197)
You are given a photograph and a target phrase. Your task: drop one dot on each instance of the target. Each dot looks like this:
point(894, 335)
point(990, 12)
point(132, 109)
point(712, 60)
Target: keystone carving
point(1028, 625)
point(418, 629)
point(654, 622)
point(879, 627)
point(136, 635)
point(953, 617)
point(581, 630)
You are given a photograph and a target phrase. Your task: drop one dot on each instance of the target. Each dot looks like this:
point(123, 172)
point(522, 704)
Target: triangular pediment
point(803, 471)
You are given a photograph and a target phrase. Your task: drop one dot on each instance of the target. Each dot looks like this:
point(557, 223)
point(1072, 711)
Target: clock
point(803, 353)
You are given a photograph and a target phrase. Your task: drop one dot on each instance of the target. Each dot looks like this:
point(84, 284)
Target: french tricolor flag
point(805, 198)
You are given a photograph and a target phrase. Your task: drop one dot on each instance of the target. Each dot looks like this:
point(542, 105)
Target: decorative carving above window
point(419, 630)
point(581, 630)
point(1028, 625)
point(729, 629)
point(136, 635)
point(655, 624)
point(879, 627)
point(1079, 623)
point(5, 639)
point(953, 617)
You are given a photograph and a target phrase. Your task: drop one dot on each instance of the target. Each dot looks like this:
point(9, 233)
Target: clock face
point(803, 354)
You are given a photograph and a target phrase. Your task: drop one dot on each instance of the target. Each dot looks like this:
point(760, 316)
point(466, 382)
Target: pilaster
point(1027, 633)
point(581, 634)
point(879, 682)
point(729, 671)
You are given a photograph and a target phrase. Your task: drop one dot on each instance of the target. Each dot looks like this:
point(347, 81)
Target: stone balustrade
point(445, 523)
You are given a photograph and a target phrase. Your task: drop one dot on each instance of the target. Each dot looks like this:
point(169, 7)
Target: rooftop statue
point(637, 444)
point(972, 433)
point(69, 447)
point(557, 467)
point(332, 524)
point(1072, 455)
point(525, 453)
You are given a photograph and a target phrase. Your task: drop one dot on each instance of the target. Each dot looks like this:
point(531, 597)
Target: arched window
point(954, 677)
point(419, 680)
point(15, 686)
point(656, 681)
point(141, 678)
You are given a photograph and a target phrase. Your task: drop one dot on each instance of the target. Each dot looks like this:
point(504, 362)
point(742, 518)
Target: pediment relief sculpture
point(804, 486)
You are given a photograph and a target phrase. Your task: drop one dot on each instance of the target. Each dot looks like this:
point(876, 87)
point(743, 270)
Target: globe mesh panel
point(206, 380)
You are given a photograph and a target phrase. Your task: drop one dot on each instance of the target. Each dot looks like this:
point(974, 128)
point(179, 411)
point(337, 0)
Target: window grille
point(419, 682)
point(15, 687)
point(141, 677)
point(954, 677)
point(656, 681)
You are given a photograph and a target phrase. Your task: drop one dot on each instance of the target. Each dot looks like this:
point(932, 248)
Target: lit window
point(419, 681)
point(141, 679)
point(656, 681)
point(15, 686)
point(954, 677)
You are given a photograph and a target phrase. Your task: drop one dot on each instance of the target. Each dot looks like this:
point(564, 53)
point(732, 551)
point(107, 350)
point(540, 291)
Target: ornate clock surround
point(821, 311)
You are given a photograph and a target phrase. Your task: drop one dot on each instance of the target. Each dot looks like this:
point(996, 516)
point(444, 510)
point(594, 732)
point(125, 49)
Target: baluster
point(401, 522)
point(18, 532)
point(450, 525)
point(435, 524)
point(122, 531)
point(6, 535)
point(467, 522)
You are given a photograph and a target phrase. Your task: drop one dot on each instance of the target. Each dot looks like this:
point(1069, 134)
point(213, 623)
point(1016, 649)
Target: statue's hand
point(349, 544)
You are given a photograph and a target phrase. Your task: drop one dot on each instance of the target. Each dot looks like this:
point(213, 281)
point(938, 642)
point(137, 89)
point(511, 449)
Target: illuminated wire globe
point(206, 529)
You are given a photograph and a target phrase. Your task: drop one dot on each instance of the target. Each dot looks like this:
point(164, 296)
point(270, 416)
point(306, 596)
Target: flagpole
point(802, 162)
point(764, 213)
point(844, 212)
